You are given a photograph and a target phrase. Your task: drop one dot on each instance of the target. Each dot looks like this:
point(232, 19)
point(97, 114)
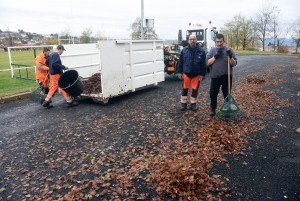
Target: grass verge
point(243, 52)
point(26, 81)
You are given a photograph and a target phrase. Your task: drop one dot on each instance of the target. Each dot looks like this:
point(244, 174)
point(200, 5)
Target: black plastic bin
point(71, 83)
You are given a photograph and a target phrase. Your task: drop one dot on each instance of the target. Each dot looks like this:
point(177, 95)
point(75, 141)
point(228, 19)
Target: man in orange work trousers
point(192, 70)
point(42, 71)
point(56, 69)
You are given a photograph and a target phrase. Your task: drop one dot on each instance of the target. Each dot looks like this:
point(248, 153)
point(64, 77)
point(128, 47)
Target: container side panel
point(143, 69)
point(113, 68)
point(160, 76)
point(84, 58)
point(159, 66)
point(159, 55)
point(142, 57)
point(144, 80)
point(127, 57)
point(140, 46)
point(127, 78)
point(148, 66)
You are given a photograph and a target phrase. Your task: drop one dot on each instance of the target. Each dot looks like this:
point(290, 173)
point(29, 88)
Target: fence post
point(11, 68)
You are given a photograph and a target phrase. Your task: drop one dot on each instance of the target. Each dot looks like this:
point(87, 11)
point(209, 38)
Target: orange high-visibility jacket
point(40, 67)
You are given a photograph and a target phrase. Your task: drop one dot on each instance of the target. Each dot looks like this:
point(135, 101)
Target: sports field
point(26, 77)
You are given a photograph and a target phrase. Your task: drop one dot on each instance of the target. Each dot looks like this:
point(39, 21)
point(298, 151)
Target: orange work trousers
point(44, 79)
point(54, 88)
point(187, 84)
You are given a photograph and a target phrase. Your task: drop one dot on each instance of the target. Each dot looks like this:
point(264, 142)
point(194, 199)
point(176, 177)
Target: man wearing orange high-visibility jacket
point(42, 71)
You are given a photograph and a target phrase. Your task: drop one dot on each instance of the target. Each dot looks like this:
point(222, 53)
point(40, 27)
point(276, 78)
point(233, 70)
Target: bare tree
point(135, 28)
point(282, 34)
point(279, 32)
point(65, 37)
point(263, 19)
point(100, 34)
point(274, 29)
point(9, 37)
point(86, 35)
point(296, 33)
point(253, 40)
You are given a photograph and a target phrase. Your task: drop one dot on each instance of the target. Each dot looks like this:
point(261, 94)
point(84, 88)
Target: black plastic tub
point(71, 83)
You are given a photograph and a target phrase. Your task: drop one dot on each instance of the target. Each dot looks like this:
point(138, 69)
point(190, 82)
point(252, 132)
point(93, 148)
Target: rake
point(229, 110)
point(39, 93)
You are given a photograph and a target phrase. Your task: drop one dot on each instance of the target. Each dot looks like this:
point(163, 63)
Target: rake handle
point(228, 59)
point(228, 75)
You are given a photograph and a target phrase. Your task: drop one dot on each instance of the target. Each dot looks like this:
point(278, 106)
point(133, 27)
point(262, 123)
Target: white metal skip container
point(125, 65)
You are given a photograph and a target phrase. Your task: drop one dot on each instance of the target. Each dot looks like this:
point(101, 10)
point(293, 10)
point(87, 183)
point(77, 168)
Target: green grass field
point(10, 86)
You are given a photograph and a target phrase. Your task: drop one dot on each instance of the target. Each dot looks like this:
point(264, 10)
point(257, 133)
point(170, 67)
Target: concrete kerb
point(4, 99)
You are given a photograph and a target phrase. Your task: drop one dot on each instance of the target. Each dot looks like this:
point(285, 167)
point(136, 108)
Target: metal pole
point(11, 67)
point(142, 19)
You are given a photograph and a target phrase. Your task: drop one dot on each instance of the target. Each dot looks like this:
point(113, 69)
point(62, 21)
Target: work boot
point(212, 112)
point(183, 106)
point(193, 107)
point(72, 104)
point(47, 103)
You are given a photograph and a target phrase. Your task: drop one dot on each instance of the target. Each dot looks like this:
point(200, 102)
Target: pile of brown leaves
point(183, 170)
point(255, 80)
point(175, 160)
point(180, 167)
point(93, 84)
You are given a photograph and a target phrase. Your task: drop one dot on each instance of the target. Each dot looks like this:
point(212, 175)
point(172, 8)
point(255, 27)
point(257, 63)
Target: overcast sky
point(113, 17)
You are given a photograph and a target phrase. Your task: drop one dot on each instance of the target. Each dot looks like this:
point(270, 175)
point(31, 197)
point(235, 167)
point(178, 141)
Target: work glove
point(202, 78)
point(180, 76)
point(41, 86)
point(229, 53)
point(66, 68)
point(219, 54)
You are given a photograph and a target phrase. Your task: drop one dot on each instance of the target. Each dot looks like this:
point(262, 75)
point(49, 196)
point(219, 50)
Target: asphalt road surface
point(40, 148)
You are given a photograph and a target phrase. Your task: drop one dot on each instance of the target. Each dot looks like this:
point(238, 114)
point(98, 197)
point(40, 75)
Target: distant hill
point(287, 41)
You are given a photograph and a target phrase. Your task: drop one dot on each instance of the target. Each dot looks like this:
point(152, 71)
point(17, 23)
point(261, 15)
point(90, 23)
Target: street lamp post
point(142, 19)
